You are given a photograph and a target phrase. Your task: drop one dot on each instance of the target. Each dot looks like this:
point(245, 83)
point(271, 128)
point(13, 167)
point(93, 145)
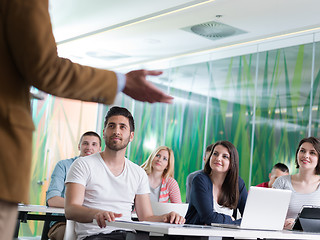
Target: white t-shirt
point(221, 209)
point(297, 199)
point(105, 191)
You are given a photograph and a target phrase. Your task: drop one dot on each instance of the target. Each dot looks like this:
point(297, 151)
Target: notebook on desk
point(265, 209)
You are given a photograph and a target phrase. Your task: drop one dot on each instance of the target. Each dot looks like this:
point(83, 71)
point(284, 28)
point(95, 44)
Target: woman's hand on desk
point(102, 216)
point(173, 217)
point(288, 224)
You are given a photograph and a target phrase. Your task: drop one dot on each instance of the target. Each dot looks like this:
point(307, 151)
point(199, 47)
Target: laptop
point(162, 208)
point(265, 209)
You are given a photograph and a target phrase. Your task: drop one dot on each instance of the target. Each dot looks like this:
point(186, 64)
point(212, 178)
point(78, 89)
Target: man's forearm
point(56, 201)
point(171, 217)
point(153, 218)
point(80, 213)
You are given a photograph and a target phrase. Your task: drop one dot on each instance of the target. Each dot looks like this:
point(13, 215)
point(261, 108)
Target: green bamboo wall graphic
point(214, 100)
point(284, 94)
point(58, 124)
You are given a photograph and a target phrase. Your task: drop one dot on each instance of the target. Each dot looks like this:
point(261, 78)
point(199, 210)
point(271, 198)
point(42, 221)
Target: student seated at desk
point(305, 185)
point(160, 169)
point(217, 191)
point(90, 143)
point(191, 176)
point(104, 186)
point(278, 170)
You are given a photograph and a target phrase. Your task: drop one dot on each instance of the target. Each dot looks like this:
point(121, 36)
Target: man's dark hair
point(116, 111)
point(282, 167)
point(91, 133)
point(316, 144)
point(209, 148)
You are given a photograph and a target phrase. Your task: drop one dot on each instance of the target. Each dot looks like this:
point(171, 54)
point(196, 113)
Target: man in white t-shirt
point(104, 186)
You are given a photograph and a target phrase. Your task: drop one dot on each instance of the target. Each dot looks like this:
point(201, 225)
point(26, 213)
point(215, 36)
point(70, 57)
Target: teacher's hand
point(140, 89)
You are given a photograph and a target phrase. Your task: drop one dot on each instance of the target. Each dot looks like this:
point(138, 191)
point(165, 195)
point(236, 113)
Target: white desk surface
point(39, 208)
point(196, 230)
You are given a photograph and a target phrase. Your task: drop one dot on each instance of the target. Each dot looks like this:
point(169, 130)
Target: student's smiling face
point(220, 159)
point(307, 156)
point(89, 145)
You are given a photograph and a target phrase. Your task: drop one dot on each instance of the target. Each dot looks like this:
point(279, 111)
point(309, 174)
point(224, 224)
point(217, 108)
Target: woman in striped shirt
point(305, 185)
point(160, 169)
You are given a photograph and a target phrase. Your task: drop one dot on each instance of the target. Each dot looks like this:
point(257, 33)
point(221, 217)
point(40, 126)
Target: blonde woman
point(160, 169)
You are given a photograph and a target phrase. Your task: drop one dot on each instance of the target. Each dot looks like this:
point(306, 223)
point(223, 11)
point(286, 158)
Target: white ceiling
point(114, 34)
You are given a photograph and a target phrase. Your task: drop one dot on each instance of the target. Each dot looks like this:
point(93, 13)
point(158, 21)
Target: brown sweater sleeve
point(33, 49)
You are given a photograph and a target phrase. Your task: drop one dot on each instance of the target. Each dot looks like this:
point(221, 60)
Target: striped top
point(297, 199)
point(169, 190)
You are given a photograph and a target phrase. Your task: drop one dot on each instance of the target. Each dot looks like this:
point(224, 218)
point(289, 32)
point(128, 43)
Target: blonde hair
point(169, 171)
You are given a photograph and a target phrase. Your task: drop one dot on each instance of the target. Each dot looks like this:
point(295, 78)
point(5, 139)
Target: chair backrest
point(70, 233)
point(163, 208)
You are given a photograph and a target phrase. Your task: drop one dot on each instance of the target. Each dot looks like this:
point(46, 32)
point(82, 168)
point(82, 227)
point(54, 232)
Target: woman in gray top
point(305, 184)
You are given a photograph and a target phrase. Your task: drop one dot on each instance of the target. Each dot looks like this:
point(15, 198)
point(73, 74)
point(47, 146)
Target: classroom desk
point(204, 232)
point(38, 213)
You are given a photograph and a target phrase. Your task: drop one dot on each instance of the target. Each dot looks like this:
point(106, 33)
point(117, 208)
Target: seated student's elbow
point(56, 201)
point(142, 218)
point(49, 203)
point(70, 212)
point(145, 214)
point(68, 215)
point(73, 200)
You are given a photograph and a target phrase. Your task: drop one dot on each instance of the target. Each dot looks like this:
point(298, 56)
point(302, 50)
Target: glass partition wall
point(262, 102)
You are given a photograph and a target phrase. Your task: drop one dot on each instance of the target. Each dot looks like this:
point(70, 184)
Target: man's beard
point(117, 146)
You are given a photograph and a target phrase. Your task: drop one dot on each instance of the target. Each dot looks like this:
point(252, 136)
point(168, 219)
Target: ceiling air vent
point(214, 30)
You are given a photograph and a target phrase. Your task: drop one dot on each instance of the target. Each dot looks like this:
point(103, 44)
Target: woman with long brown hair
point(217, 191)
